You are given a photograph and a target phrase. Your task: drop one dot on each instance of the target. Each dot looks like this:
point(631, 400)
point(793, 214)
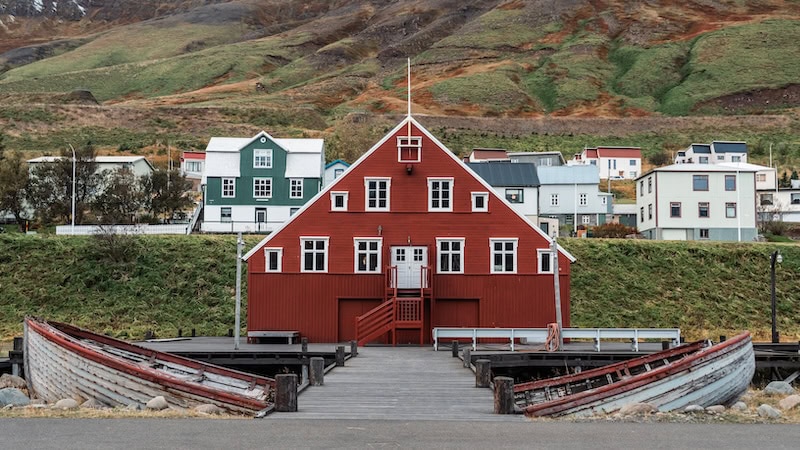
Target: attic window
point(409, 149)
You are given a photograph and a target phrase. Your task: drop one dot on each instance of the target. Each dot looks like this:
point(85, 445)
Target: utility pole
point(557, 289)
point(237, 325)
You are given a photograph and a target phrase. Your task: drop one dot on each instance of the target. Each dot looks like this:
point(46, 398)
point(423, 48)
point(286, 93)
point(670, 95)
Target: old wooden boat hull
point(692, 374)
point(62, 361)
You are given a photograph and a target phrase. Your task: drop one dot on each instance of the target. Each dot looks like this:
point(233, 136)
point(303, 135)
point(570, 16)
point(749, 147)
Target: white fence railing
point(540, 335)
point(83, 230)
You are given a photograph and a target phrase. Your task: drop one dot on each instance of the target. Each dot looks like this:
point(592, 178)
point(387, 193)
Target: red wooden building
point(408, 239)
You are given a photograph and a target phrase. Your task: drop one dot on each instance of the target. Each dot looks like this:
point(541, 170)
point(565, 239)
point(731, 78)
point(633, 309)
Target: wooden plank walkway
point(400, 383)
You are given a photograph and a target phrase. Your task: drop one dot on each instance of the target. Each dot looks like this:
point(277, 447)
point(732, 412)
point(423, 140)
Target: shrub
point(612, 230)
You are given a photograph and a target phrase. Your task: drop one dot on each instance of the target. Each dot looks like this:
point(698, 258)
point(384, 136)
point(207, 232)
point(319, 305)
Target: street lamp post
point(776, 258)
point(74, 161)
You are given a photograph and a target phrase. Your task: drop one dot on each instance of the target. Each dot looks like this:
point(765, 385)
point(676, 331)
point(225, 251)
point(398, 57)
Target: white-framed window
point(440, 194)
point(649, 185)
point(228, 187)
point(409, 149)
point(295, 188)
point(604, 200)
point(368, 255)
point(583, 199)
point(378, 191)
point(273, 259)
point(650, 211)
point(314, 251)
point(450, 255)
point(544, 259)
point(586, 220)
point(703, 233)
point(761, 177)
point(632, 162)
point(553, 199)
point(262, 158)
point(480, 201)
point(719, 158)
point(514, 196)
point(339, 201)
point(337, 173)
point(704, 160)
point(736, 158)
point(504, 255)
point(262, 187)
point(225, 214)
point(194, 166)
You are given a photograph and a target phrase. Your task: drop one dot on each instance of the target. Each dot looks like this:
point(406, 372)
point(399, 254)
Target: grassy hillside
point(166, 283)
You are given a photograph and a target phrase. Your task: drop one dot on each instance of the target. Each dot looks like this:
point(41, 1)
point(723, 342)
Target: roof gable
point(619, 152)
point(381, 161)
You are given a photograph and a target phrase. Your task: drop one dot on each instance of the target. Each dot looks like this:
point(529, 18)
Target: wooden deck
point(398, 383)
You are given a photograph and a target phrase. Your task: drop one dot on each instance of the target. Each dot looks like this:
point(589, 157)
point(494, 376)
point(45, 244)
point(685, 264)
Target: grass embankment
point(166, 283)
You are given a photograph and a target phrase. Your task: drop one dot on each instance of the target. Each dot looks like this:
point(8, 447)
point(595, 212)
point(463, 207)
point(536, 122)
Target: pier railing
point(536, 335)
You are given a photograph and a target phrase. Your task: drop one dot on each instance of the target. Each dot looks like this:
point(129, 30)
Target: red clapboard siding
point(308, 302)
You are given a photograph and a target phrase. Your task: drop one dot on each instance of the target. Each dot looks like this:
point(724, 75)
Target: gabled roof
point(338, 161)
point(729, 147)
point(408, 121)
point(701, 148)
point(619, 152)
point(302, 161)
point(578, 174)
point(506, 173)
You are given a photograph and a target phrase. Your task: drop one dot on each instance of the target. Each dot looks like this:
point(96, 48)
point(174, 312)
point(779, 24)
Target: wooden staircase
point(402, 309)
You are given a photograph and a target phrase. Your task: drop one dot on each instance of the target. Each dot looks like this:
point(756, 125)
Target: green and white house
point(255, 184)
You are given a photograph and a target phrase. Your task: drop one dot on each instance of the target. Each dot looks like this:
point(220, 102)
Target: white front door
point(409, 261)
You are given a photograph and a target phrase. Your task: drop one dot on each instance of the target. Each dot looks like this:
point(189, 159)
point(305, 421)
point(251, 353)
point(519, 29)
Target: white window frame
point(485, 197)
point(729, 205)
point(449, 190)
point(343, 194)
point(409, 142)
point(367, 252)
point(295, 188)
point(388, 181)
point(583, 199)
point(449, 254)
point(230, 219)
point(267, 252)
point(553, 199)
point(231, 183)
point(492, 254)
point(586, 220)
point(314, 251)
point(540, 260)
point(268, 184)
point(265, 153)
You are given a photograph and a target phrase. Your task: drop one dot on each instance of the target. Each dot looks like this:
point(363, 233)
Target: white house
point(715, 153)
point(334, 170)
point(613, 162)
point(136, 164)
point(192, 167)
point(697, 202)
point(572, 195)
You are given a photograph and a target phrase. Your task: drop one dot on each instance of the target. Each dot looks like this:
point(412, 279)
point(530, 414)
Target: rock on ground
point(779, 388)
point(208, 408)
point(66, 403)
point(93, 404)
point(789, 402)
point(14, 397)
point(739, 406)
point(8, 380)
point(716, 409)
point(637, 408)
point(768, 411)
point(157, 403)
point(694, 409)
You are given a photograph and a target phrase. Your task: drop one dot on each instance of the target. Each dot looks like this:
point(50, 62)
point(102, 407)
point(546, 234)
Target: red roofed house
point(407, 239)
point(192, 167)
point(613, 162)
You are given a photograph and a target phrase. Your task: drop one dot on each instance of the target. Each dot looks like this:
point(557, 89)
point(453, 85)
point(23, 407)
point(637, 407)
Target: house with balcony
point(697, 202)
point(613, 162)
point(717, 152)
point(255, 184)
point(192, 167)
point(408, 239)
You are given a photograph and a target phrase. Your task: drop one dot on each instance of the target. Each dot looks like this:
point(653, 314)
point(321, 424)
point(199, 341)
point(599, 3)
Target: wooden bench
point(291, 337)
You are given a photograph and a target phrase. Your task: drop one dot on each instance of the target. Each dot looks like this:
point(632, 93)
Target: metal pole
point(739, 208)
point(557, 289)
point(74, 161)
point(239, 245)
point(773, 260)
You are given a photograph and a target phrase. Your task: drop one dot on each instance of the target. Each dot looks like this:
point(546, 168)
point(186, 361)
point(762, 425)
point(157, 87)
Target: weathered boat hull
point(62, 361)
point(701, 375)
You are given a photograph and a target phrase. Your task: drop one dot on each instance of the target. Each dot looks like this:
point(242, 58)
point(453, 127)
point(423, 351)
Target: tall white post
point(237, 325)
point(739, 208)
point(557, 289)
point(575, 213)
point(74, 162)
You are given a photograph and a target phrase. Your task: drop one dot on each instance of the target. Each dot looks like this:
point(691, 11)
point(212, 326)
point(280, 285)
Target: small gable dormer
point(409, 149)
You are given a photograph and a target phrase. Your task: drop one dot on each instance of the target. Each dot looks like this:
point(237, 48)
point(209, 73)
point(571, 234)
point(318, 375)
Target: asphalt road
point(193, 434)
